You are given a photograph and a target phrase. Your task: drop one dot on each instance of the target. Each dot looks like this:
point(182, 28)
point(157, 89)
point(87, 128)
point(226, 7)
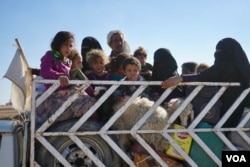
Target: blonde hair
point(202, 67)
point(140, 51)
point(74, 54)
point(95, 54)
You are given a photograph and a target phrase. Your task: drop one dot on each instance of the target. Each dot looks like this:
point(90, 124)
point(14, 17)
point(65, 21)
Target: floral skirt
point(78, 107)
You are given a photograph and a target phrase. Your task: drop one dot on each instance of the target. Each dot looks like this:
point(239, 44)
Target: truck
point(83, 142)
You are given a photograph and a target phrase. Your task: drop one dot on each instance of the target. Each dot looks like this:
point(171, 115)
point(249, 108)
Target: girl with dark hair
point(56, 65)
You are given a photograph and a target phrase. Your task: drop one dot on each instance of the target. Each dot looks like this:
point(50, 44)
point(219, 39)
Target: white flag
point(21, 77)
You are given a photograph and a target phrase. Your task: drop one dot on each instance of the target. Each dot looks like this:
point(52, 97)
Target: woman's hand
point(64, 81)
point(170, 82)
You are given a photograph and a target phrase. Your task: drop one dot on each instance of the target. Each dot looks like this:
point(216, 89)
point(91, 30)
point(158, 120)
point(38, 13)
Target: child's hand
point(64, 81)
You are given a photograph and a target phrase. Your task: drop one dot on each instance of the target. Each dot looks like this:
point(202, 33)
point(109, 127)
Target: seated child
point(131, 67)
point(56, 65)
point(115, 66)
point(97, 60)
point(76, 69)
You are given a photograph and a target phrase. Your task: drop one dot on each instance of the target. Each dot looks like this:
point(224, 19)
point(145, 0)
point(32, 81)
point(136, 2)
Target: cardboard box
point(183, 139)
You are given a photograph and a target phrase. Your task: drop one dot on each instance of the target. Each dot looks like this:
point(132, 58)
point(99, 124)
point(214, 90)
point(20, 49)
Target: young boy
point(132, 67)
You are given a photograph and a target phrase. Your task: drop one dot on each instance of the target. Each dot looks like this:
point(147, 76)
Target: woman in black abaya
point(164, 67)
point(230, 65)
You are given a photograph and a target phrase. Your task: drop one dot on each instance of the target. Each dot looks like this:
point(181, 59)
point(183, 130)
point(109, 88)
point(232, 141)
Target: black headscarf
point(228, 50)
point(88, 43)
point(164, 65)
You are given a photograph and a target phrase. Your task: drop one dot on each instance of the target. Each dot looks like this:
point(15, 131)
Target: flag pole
point(27, 75)
point(28, 92)
point(21, 52)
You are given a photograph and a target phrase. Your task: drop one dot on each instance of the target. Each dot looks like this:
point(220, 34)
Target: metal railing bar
point(46, 94)
point(210, 104)
point(93, 109)
point(232, 108)
point(226, 141)
point(118, 113)
point(150, 150)
point(179, 149)
point(58, 112)
point(53, 151)
point(206, 149)
point(118, 150)
point(150, 111)
point(173, 117)
point(85, 149)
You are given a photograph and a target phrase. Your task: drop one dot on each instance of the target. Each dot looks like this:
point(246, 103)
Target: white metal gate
point(104, 132)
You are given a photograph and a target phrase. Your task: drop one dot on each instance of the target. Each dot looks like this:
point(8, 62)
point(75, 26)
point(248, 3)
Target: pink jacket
point(52, 68)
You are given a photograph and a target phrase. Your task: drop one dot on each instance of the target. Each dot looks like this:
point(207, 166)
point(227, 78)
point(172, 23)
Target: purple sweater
point(52, 68)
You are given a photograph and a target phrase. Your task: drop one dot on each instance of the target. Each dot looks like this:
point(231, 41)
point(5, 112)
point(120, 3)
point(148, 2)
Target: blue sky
point(189, 29)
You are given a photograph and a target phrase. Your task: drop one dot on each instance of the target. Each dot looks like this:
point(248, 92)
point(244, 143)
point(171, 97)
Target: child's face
point(98, 66)
point(77, 63)
point(132, 72)
point(66, 47)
